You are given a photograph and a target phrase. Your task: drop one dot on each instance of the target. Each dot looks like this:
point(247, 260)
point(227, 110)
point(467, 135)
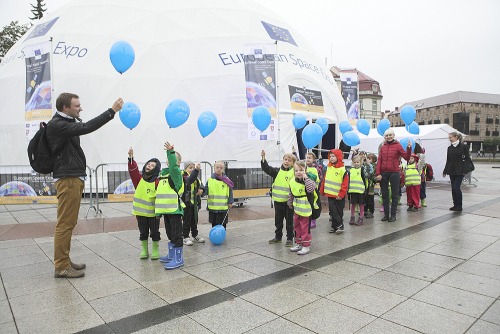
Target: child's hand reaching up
point(168, 147)
point(131, 152)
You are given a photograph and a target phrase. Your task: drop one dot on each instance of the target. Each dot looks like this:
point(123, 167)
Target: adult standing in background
point(456, 168)
point(388, 172)
point(63, 136)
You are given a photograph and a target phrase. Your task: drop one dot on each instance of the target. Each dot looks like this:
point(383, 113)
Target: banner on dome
point(306, 99)
point(38, 94)
point(349, 84)
point(260, 77)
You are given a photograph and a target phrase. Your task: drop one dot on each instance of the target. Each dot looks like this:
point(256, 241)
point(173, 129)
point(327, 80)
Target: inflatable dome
point(190, 50)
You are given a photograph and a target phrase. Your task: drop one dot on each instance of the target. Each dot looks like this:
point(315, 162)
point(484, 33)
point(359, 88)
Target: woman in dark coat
point(457, 156)
point(388, 171)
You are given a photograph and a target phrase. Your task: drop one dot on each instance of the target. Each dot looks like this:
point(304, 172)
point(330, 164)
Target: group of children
point(175, 195)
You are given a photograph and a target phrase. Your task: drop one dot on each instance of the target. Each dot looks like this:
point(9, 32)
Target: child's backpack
point(39, 152)
point(429, 173)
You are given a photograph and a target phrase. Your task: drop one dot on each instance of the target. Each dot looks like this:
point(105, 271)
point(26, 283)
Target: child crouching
point(301, 188)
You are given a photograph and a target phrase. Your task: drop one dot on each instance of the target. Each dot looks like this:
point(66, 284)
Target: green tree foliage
point(38, 10)
point(10, 34)
point(490, 144)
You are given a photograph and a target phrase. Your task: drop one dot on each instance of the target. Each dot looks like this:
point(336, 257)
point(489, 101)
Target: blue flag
point(279, 34)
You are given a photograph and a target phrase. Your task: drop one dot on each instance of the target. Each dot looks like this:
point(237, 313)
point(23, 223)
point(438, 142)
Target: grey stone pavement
point(432, 271)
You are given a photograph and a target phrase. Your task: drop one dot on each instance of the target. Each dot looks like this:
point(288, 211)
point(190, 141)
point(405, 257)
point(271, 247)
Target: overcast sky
point(415, 49)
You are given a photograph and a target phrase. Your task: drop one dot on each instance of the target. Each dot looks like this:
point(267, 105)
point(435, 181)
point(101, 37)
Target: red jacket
point(338, 164)
point(388, 159)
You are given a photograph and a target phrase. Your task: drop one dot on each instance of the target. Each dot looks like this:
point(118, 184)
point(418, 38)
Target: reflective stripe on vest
point(218, 195)
point(412, 175)
point(333, 180)
point(356, 184)
point(301, 205)
point(281, 185)
point(167, 200)
point(144, 199)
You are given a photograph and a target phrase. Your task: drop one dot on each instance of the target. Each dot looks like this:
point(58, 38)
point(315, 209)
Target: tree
point(490, 144)
point(38, 10)
point(10, 34)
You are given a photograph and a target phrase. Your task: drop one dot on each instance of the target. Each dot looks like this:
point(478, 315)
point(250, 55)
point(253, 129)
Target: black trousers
point(148, 226)
point(336, 208)
point(189, 223)
point(393, 178)
point(370, 203)
point(282, 211)
point(423, 192)
point(173, 228)
point(218, 218)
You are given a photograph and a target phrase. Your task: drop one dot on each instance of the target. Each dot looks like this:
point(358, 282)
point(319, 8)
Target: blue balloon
point(404, 143)
point(130, 115)
point(345, 126)
point(351, 138)
point(323, 123)
point(261, 118)
point(177, 113)
point(383, 126)
point(299, 121)
point(217, 234)
point(413, 128)
point(408, 114)
point(122, 56)
point(207, 122)
point(363, 126)
point(311, 135)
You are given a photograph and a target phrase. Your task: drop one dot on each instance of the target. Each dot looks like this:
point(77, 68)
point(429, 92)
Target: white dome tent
point(188, 50)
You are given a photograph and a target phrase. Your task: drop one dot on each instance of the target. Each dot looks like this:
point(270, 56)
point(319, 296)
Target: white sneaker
point(303, 251)
point(296, 248)
point(198, 239)
point(188, 242)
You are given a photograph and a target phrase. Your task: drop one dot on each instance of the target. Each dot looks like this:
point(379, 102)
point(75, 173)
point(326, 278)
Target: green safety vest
point(301, 205)
point(167, 200)
point(315, 172)
point(356, 184)
point(144, 199)
point(412, 175)
point(333, 180)
point(218, 195)
point(281, 185)
point(192, 190)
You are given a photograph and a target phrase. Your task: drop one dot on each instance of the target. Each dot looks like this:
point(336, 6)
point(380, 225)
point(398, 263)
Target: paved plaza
point(432, 271)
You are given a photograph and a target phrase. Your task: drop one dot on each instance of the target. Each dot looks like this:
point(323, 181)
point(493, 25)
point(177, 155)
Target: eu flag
point(41, 29)
point(278, 34)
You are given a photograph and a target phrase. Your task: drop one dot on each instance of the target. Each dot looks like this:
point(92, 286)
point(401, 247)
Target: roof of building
point(361, 76)
point(458, 96)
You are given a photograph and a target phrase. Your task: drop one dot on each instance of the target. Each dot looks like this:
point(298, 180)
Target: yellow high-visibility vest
point(301, 205)
point(218, 195)
point(315, 172)
point(333, 180)
point(281, 185)
point(144, 199)
point(412, 175)
point(356, 184)
point(167, 200)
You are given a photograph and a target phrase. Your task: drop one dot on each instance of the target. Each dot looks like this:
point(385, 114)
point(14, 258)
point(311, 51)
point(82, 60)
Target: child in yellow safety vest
point(220, 196)
point(279, 191)
point(412, 182)
point(312, 167)
point(145, 184)
point(302, 194)
point(170, 206)
point(191, 197)
point(357, 188)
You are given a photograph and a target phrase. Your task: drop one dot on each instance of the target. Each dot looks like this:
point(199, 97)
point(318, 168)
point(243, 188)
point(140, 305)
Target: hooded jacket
point(388, 158)
point(338, 164)
point(136, 177)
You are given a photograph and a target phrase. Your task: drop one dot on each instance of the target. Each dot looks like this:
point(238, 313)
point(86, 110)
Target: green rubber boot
point(423, 203)
point(155, 255)
point(145, 253)
point(399, 200)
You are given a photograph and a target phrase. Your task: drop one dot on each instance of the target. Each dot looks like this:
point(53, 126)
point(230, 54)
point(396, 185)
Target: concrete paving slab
point(381, 326)
point(473, 283)
point(493, 313)
point(483, 327)
point(395, 283)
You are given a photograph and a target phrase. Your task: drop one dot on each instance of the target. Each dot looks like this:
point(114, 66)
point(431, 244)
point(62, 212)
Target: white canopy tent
point(434, 138)
point(188, 50)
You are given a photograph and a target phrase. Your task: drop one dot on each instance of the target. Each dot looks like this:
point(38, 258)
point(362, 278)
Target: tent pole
point(277, 99)
point(51, 73)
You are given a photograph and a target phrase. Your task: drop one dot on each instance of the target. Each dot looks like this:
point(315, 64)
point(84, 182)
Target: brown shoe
point(69, 273)
point(77, 266)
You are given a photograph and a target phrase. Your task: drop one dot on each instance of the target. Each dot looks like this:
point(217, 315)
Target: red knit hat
point(415, 156)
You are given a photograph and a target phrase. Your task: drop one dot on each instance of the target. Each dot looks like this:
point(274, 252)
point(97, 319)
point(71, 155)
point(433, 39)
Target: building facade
point(475, 114)
point(370, 95)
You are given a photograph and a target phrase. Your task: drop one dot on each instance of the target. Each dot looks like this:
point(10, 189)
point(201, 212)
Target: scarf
point(455, 143)
point(225, 179)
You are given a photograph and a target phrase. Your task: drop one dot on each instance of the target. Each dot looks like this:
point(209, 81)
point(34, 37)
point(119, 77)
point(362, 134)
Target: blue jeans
point(456, 192)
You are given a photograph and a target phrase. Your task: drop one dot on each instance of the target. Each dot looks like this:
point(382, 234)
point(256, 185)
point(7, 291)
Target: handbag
point(468, 164)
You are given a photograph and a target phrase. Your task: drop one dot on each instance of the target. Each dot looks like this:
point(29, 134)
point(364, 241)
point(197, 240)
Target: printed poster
point(349, 84)
point(260, 77)
point(304, 99)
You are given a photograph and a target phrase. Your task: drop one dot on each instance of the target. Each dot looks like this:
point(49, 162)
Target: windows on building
point(374, 105)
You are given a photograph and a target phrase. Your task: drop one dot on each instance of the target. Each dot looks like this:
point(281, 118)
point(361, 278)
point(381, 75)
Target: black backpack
point(39, 152)
point(315, 212)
